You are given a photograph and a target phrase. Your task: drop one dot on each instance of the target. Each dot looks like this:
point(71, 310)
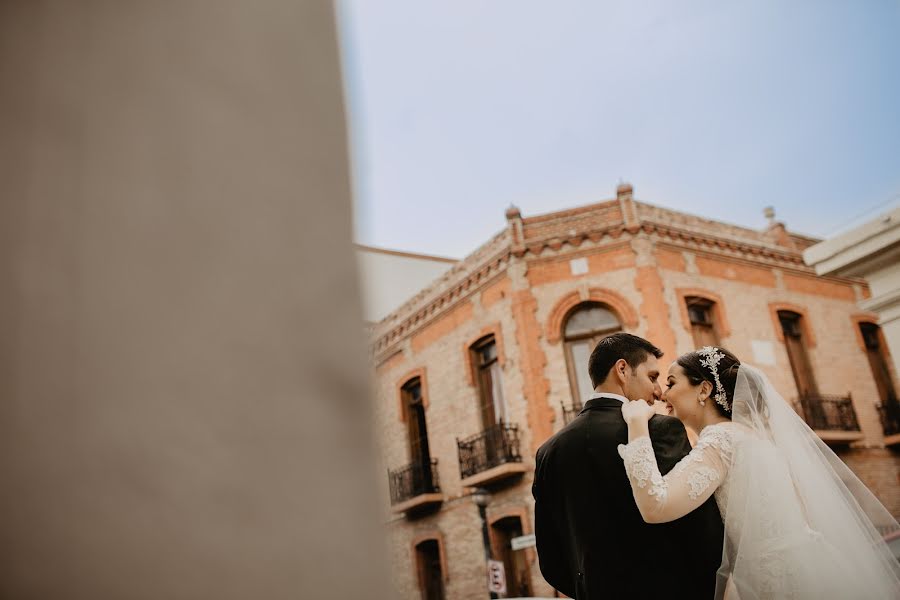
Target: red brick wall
point(669, 259)
point(819, 287)
point(495, 293)
point(735, 271)
point(610, 260)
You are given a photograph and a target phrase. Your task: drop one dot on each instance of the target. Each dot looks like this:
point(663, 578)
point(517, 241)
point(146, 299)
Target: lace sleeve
point(692, 481)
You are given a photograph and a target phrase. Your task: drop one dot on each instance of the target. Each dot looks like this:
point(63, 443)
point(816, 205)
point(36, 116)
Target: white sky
point(460, 108)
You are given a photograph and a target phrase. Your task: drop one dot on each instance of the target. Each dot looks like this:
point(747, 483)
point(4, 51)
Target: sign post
point(496, 577)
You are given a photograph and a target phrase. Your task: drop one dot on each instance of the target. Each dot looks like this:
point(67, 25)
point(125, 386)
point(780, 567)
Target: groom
point(591, 540)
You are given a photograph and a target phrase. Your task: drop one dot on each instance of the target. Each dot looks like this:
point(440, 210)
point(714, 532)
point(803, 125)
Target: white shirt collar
point(621, 399)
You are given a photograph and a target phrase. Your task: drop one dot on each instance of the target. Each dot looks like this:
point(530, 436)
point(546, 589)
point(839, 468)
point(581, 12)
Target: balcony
point(890, 421)
point(490, 456)
point(570, 412)
point(831, 417)
point(415, 486)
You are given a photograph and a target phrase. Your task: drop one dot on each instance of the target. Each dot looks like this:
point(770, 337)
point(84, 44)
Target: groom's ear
point(620, 369)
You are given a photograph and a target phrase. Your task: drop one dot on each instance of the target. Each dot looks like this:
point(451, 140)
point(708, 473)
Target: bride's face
point(681, 396)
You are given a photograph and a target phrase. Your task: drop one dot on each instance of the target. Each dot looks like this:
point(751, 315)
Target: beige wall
point(183, 401)
point(390, 278)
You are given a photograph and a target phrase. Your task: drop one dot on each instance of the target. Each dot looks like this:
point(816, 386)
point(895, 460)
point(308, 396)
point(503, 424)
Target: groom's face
point(643, 382)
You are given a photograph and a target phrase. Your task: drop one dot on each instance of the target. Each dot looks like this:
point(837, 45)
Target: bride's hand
point(662, 408)
point(637, 411)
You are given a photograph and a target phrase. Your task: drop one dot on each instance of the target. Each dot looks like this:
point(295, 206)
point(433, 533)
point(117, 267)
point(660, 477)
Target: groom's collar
point(604, 399)
point(595, 395)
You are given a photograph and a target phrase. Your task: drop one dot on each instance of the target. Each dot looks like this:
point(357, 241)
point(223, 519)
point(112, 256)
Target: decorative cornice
point(702, 242)
point(439, 305)
point(761, 249)
point(752, 257)
point(536, 248)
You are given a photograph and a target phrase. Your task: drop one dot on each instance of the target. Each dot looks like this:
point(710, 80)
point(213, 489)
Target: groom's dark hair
point(610, 349)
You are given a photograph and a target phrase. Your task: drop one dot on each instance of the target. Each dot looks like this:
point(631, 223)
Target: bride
point(798, 522)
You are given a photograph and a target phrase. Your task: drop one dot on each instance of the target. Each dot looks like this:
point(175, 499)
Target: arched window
point(584, 327)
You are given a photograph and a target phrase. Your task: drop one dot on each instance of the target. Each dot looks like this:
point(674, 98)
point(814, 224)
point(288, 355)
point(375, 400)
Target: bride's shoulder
point(720, 435)
point(728, 427)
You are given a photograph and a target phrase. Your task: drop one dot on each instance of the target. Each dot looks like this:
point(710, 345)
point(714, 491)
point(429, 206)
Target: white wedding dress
point(798, 523)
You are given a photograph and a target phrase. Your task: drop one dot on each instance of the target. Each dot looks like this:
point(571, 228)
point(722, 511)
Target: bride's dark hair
point(697, 373)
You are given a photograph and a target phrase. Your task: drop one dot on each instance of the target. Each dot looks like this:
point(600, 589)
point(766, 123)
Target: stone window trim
point(494, 330)
point(808, 337)
point(438, 537)
point(420, 374)
point(723, 328)
point(623, 309)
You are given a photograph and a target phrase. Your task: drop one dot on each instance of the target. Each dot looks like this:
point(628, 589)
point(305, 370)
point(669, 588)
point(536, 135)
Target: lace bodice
point(694, 479)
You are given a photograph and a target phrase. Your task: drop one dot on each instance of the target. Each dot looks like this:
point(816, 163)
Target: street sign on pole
point(523, 541)
point(496, 577)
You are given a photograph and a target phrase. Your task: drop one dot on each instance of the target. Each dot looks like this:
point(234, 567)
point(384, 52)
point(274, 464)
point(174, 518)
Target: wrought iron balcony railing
point(828, 413)
point(414, 480)
point(570, 412)
point(496, 445)
point(890, 417)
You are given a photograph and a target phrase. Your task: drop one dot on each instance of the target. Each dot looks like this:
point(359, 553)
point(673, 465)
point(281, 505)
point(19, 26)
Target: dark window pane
point(413, 391)
point(488, 352)
point(431, 580)
point(790, 323)
point(699, 314)
point(870, 335)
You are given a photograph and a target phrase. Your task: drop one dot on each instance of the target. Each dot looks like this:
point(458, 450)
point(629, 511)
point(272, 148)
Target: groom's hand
point(637, 411)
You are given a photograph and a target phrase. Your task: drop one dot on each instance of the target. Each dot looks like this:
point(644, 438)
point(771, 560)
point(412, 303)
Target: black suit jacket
point(591, 540)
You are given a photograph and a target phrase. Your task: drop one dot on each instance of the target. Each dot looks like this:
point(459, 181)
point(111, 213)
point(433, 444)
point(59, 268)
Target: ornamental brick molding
point(623, 309)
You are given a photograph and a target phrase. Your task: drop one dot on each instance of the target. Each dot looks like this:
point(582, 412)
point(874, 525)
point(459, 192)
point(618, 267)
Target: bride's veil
point(798, 522)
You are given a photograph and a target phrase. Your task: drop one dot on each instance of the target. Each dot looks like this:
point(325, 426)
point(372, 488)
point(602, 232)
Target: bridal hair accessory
point(711, 357)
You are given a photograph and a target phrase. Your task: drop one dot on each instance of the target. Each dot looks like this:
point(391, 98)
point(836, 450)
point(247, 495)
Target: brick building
point(484, 364)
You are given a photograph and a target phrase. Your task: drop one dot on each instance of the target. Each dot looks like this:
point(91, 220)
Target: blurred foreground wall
point(183, 403)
